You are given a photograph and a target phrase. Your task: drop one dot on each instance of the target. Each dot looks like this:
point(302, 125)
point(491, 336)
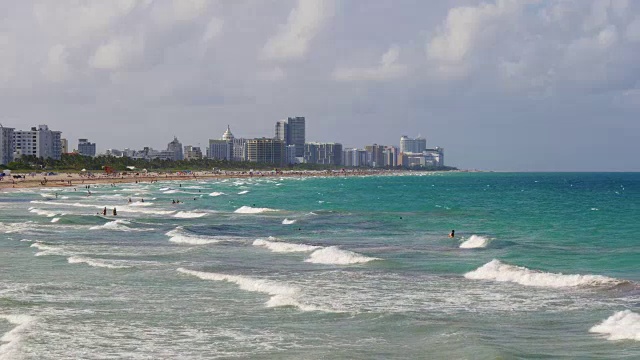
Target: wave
point(113, 225)
point(474, 242)
point(189, 214)
point(252, 210)
point(215, 193)
point(243, 192)
point(179, 236)
point(43, 212)
point(94, 262)
point(171, 191)
point(281, 294)
point(283, 247)
point(55, 219)
point(15, 336)
point(333, 255)
point(623, 325)
point(96, 206)
point(498, 271)
point(47, 249)
point(288, 222)
point(140, 203)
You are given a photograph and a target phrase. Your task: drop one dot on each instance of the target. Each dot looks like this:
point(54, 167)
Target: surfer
point(452, 234)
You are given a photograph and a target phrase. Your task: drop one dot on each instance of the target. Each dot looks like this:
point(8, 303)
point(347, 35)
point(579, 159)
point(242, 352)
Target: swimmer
point(452, 234)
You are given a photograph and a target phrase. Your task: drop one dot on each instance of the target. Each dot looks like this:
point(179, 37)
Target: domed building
point(228, 136)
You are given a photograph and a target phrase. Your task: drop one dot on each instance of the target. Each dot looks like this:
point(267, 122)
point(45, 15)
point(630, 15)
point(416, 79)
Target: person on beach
point(452, 234)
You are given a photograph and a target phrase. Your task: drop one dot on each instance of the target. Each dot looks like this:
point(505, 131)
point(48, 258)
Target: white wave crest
point(96, 206)
point(94, 262)
point(623, 325)
point(288, 222)
point(113, 225)
point(252, 210)
point(498, 271)
point(12, 339)
point(46, 250)
point(170, 191)
point(179, 236)
point(55, 219)
point(43, 212)
point(281, 294)
point(164, 189)
point(283, 247)
point(474, 242)
point(243, 192)
point(215, 193)
point(333, 255)
point(189, 214)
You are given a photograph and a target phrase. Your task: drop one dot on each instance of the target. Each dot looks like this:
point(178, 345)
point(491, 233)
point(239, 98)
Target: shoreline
point(70, 180)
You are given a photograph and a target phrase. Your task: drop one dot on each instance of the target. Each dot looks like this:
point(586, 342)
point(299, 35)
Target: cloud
point(118, 53)
point(293, 39)
point(388, 69)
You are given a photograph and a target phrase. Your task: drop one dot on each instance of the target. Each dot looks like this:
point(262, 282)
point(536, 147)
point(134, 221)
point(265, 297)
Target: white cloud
point(293, 39)
point(56, 68)
point(118, 53)
point(212, 29)
point(388, 69)
point(275, 74)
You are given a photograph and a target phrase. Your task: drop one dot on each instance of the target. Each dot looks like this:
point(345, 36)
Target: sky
point(522, 85)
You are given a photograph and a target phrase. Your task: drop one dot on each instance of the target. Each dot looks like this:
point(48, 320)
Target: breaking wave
point(475, 242)
point(119, 225)
point(94, 262)
point(55, 219)
point(43, 212)
point(243, 192)
point(288, 222)
point(283, 247)
point(180, 236)
point(171, 191)
point(333, 255)
point(47, 249)
point(189, 214)
point(12, 339)
point(623, 325)
point(498, 271)
point(215, 193)
point(281, 294)
point(252, 210)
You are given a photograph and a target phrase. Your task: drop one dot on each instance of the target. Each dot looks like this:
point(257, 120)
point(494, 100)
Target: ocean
point(543, 265)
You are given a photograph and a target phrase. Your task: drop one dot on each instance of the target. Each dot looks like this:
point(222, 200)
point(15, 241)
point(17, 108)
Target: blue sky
point(500, 84)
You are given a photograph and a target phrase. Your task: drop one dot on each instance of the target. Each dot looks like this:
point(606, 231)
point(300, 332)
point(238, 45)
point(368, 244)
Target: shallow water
point(543, 265)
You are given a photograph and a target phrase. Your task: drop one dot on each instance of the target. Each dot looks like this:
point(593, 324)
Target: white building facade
point(39, 142)
point(408, 145)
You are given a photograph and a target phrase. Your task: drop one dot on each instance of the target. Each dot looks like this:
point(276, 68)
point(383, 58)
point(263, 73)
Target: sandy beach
point(74, 179)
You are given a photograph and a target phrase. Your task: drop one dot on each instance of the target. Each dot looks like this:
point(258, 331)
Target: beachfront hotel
point(266, 150)
point(86, 148)
point(39, 142)
point(6, 145)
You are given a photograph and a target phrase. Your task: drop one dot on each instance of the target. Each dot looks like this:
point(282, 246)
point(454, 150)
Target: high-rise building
point(220, 149)
point(174, 147)
point(375, 155)
point(266, 150)
point(390, 155)
point(6, 145)
point(86, 148)
point(192, 152)
point(292, 132)
point(408, 145)
point(323, 153)
point(39, 142)
point(64, 144)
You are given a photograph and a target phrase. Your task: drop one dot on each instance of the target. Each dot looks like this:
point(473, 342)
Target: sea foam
point(119, 225)
point(475, 242)
point(180, 236)
point(333, 255)
point(43, 212)
point(281, 294)
point(215, 193)
point(94, 262)
point(252, 210)
point(243, 192)
point(189, 214)
point(288, 222)
point(12, 339)
point(283, 247)
point(623, 325)
point(498, 271)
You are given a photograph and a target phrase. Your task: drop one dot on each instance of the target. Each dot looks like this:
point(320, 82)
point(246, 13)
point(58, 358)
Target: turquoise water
point(544, 265)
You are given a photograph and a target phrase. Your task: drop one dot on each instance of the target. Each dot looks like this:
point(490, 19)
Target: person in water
point(452, 234)
point(104, 212)
point(114, 212)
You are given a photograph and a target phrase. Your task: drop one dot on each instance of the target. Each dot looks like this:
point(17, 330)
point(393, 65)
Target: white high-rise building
point(408, 145)
point(6, 145)
point(219, 149)
point(175, 147)
point(39, 142)
point(323, 153)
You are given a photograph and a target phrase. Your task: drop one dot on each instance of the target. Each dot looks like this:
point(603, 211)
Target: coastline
point(70, 180)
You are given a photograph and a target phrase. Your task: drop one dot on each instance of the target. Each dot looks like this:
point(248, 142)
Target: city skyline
point(503, 85)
